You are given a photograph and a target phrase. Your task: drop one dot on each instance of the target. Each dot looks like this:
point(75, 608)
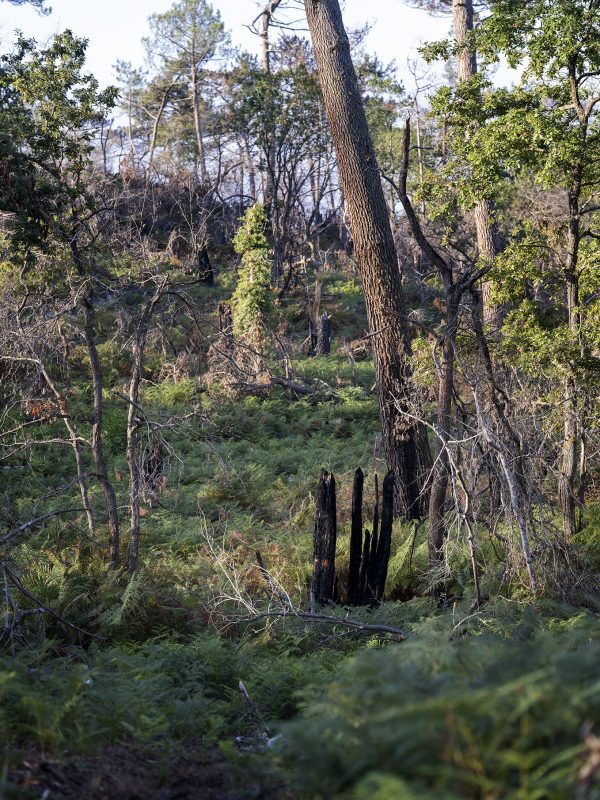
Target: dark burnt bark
point(206, 273)
point(325, 536)
point(363, 597)
point(374, 247)
point(385, 536)
point(356, 535)
point(324, 335)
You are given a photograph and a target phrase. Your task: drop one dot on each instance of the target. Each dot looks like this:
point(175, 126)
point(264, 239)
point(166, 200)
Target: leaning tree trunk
point(374, 246)
point(466, 68)
point(154, 135)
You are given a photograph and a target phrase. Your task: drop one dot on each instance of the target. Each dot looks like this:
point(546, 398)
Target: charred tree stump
point(325, 535)
point(369, 596)
point(356, 535)
point(206, 273)
point(364, 566)
point(324, 336)
point(385, 536)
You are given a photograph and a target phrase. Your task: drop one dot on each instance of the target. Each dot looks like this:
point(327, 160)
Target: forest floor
point(496, 703)
point(128, 774)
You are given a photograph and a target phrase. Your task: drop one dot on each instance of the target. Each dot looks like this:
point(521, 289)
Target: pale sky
point(115, 27)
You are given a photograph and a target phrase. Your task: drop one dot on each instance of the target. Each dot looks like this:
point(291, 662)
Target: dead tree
point(324, 335)
point(206, 273)
point(369, 558)
point(356, 548)
point(325, 536)
point(385, 536)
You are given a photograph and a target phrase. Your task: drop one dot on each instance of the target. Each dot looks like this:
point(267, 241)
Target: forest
point(299, 377)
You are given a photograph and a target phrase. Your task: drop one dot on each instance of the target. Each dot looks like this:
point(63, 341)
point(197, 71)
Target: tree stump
point(325, 536)
point(206, 273)
point(324, 335)
point(356, 535)
point(385, 536)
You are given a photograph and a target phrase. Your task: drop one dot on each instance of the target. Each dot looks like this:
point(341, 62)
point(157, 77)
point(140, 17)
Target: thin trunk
point(419, 151)
point(266, 18)
point(571, 428)
point(133, 439)
point(84, 547)
point(374, 246)
point(441, 469)
point(573, 442)
point(324, 335)
point(198, 125)
point(97, 448)
point(251, 170)
point(155, 126)
point(133, 447)
point(466, 68)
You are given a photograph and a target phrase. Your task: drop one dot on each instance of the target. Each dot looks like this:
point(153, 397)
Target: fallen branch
point(15, 531)
point(345, 621)
point(293, 386)
point(42, 607)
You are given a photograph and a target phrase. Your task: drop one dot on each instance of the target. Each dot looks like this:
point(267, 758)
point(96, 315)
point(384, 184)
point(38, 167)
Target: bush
point(478, 716)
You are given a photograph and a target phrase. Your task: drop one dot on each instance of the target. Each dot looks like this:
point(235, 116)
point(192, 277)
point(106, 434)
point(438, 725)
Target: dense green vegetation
point(185, 345)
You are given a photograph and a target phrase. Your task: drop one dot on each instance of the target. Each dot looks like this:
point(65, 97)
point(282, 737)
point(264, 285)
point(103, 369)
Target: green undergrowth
point(493, 705)
point(483, 704)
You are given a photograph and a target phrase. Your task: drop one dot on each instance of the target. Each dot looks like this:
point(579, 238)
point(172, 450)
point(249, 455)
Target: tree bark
point(571, 428)
point(374, 247)
point(325, 536)
point(385, 536)
point(356, 536)
point(154, 135)
point(324, 335)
